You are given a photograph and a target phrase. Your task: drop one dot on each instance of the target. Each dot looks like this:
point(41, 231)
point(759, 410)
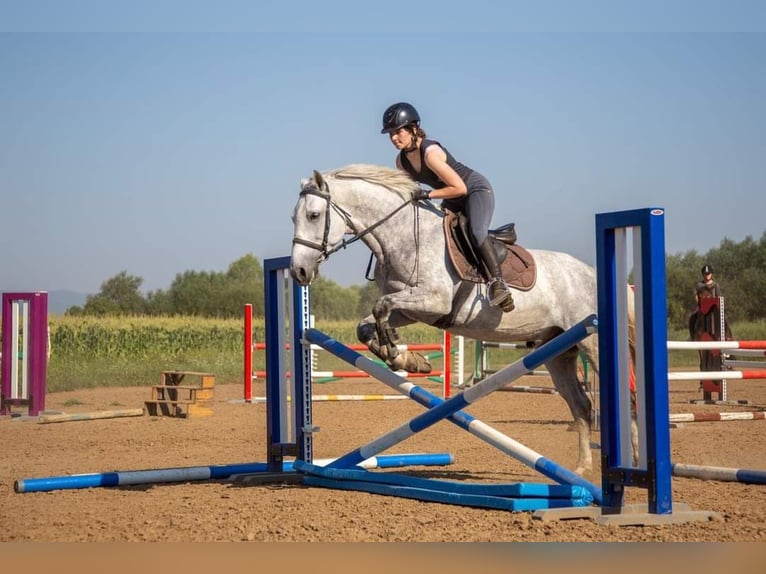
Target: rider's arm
point(436, 160)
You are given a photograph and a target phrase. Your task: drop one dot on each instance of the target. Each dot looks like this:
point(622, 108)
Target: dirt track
point(223, 511)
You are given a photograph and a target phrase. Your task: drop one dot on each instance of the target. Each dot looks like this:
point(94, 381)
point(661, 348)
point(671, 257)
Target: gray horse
point(418, 282)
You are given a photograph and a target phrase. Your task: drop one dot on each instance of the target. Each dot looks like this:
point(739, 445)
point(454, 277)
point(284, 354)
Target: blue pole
point(193, 473)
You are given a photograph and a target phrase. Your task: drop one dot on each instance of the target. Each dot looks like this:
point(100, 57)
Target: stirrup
point(503, 299)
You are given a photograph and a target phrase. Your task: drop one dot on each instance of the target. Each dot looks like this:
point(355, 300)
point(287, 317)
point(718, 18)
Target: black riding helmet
point(706, 269)
point(399, 115)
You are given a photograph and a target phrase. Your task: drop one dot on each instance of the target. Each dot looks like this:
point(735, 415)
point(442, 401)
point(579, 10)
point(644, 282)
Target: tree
point(119, 295)
point(159, 303)
point(368, 294)
point(681, 273)
point(331, 302)
point(244, 284)
point(197, 293)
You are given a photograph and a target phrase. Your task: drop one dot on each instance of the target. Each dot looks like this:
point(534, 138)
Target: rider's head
point(706, 270)
point(403, 116)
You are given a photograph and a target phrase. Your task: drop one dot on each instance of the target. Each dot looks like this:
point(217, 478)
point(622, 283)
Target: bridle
point(324, 248)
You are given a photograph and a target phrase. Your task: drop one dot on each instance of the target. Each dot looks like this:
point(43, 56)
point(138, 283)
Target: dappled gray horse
point(419, 284)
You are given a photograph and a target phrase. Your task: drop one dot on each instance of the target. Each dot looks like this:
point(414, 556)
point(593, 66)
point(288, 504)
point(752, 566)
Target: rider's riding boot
point(499, 293)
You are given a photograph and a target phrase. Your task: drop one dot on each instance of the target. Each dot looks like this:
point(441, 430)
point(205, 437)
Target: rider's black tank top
point(426, 175)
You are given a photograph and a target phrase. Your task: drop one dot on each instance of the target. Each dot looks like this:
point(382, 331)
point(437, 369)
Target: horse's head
point(318, 225)
point(357, 199)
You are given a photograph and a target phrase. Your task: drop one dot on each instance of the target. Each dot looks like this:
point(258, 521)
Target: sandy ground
point(235, 433)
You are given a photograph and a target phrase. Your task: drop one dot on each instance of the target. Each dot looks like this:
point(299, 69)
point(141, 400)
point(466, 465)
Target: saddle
point(517, 264)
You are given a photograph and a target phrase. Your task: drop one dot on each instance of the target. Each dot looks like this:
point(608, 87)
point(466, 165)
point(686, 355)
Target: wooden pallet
point(171, 398)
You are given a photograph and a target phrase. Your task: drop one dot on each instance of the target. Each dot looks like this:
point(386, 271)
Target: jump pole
point(24, 351)
point(745, 476)
point(713, 417)
point(451, 409)
point(216, 472)
point(716, 375)
point(723, 345)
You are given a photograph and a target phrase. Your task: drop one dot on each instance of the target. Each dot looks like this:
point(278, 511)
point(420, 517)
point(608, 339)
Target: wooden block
point(199, 410)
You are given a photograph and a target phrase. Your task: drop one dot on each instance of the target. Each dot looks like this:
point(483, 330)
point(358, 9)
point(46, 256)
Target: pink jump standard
point(25, 351)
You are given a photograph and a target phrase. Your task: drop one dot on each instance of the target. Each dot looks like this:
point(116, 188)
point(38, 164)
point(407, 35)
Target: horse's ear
point(319, 180)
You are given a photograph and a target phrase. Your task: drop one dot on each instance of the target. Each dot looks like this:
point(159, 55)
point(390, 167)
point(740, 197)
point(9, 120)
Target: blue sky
point(177, 143)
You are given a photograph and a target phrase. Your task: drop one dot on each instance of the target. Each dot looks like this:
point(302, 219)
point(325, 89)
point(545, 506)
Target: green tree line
point(740, 269)
point(221, 294)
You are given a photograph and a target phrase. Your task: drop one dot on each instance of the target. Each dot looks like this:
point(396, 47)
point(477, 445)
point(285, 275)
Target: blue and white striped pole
point(217, 472)
point(453, 413)
point(743, 475)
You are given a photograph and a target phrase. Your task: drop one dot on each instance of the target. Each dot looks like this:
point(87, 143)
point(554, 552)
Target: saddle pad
point(518, 267)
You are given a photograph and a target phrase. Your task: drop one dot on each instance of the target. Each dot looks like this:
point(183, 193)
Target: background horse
point(418, 282)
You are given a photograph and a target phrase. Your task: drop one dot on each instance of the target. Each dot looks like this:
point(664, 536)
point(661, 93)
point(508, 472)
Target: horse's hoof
point(415, 363)
point(397, 363)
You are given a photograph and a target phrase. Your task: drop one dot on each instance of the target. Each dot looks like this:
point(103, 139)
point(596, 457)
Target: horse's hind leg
point(563, 371)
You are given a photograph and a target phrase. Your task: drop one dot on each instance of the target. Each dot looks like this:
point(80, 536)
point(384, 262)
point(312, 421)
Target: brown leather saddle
point(518, 265)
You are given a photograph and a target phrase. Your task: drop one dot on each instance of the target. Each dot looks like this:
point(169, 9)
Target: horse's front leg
point(381, 342)
point(378, 331)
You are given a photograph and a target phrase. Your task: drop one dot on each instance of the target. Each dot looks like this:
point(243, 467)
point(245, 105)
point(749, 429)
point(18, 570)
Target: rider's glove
point(420, 193)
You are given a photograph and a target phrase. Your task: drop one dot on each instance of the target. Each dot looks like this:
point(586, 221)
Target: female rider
point(460, 188)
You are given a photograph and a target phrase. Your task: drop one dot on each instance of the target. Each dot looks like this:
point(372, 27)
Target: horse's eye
point(313, 216)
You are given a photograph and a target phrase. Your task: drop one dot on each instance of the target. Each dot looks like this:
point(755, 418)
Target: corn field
point(132, 351)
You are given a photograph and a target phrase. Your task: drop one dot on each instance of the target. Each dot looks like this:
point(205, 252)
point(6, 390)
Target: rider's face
point(401, 138)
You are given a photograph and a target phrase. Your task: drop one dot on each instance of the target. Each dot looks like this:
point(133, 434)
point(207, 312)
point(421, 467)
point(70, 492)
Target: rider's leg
point(499, 293)
point(479, 208)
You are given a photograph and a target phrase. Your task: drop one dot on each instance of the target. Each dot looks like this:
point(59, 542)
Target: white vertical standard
point(623, 352)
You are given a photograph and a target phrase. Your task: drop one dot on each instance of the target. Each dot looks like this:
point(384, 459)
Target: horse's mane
point(392, 179)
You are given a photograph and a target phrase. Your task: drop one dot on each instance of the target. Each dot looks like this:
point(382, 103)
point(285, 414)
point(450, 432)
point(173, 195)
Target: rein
point(324, 248)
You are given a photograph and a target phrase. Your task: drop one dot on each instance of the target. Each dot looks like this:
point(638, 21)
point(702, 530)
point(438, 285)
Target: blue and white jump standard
point(287, 434)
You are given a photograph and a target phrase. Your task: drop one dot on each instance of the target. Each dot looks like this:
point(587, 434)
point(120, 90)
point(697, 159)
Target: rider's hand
point(420, 193)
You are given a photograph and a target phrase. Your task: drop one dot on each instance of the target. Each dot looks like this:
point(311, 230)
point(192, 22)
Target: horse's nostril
point(299, 274)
